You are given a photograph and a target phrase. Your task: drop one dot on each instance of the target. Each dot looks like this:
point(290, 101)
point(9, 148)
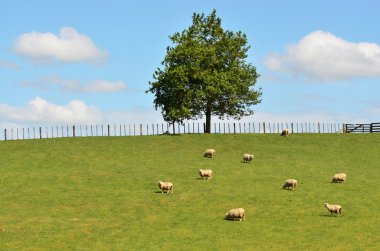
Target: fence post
point(40, 132)
point(5, 134)
point(141, 129)
point(73, 131)
point(234, 128)
point(264, 127)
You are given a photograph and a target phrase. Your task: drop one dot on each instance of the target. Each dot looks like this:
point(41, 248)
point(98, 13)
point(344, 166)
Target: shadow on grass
point(200, 178)
point(330, 215)
point(169, 134)
point(162, 192)
point(236, 219)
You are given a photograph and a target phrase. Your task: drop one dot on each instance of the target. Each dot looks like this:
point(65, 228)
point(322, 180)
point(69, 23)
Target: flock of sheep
point(239, 213)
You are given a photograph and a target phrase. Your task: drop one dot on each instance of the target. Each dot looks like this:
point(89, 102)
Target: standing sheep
point(165, 186)
point(333, 208)
point(247, 158)
point(236, 213)
point(285, 132)
point(290, 183)
point(339, 178)
point(205, 173)
point(209, 153)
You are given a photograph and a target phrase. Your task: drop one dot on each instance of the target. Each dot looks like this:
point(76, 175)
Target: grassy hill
point(101, 193)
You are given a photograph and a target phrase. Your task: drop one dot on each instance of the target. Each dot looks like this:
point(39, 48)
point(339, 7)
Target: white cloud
point(39, 111)
point(75, 86)
point(8, 65)
point(104, 86)
point(68, 46)
point(322, 56)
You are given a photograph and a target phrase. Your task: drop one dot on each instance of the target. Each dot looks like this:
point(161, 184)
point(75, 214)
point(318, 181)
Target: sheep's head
point(326, 205)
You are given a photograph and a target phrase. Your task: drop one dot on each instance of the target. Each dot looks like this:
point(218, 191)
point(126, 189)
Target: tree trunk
point(173, 128)
point(208, 120)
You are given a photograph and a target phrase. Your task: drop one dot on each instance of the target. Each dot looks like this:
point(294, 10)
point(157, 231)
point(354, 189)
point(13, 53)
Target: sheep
point(285, 132)
point(205, 173)
point(236, 213)
point(333, 208)
point(165, 186)
point(290, 183)
point(209, 153)
point(247, 158)
point(339, 178)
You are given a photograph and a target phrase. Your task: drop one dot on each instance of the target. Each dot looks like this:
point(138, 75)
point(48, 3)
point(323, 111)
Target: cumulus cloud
point(68, 46)
point(322, 56)
point(75, 86)
point(40, 111)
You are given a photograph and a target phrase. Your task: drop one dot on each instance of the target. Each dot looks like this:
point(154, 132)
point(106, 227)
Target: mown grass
point(102, 194)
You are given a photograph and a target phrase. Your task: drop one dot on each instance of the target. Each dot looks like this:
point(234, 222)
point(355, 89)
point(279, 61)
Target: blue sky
point(87, 62)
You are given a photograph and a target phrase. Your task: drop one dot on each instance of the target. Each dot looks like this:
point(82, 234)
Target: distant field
point(101, 193)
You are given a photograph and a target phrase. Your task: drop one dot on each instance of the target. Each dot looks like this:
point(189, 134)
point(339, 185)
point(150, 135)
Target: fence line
point(362, 128)
point(43, 132)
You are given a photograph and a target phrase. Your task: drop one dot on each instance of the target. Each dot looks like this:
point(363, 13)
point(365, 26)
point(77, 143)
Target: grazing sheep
point(247, 158)
point(290, 183)
point(333, 208)
point(339, 178)
point(236, 213)
point(205, 173)
point(165, 186)
point(209, 153)
point(285, 132)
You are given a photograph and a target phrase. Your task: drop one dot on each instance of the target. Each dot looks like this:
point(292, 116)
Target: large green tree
point(205, 74)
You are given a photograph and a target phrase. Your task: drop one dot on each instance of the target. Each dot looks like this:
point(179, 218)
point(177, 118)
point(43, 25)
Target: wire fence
point(44, 132)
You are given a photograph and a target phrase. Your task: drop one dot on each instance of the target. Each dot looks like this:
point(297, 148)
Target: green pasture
point(101, 193)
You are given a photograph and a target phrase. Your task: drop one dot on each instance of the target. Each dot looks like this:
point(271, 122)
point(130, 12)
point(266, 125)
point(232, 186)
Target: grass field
point(102, 194)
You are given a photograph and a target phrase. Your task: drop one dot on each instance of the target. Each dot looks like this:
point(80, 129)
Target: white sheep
point(290, 183)
point(339, 178)
point(247, 158)
point(205, 173)
point(165, 186)
point(236, 213)
point(285, 132)
point(209, 153)
point(333, 208)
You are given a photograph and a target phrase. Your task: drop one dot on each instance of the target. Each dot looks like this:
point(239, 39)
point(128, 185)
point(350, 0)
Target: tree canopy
point(205, 74)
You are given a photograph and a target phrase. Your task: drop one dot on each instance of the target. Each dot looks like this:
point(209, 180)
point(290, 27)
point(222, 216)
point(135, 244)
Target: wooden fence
point(41, 132)
point(362, 128)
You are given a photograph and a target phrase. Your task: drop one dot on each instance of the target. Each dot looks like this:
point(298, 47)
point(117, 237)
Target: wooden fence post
point(40, 132)
point(264, 126)
point(5, 134)
point(73, 131)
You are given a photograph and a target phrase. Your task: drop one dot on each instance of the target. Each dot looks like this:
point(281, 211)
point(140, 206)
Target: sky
point(90, 61)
